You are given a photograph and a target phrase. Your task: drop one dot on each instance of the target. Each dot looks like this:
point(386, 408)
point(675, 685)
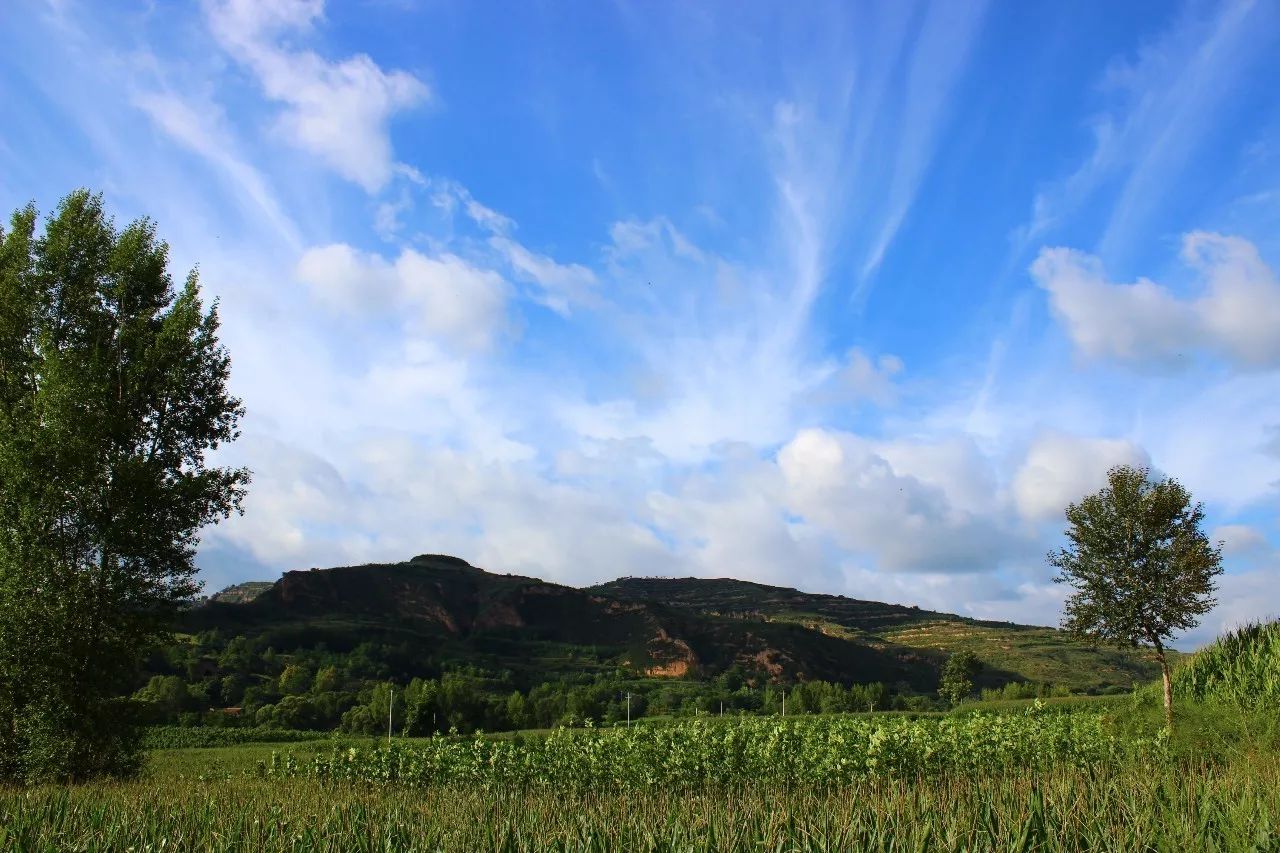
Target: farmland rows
point(817, 750)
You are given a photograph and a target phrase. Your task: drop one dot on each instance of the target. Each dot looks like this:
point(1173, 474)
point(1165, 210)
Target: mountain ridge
point(443, 611)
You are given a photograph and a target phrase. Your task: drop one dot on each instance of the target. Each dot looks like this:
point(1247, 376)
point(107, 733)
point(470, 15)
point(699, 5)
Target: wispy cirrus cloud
point(202, 129)
point(337, 110)
point(640, 338)
point(1163, 104)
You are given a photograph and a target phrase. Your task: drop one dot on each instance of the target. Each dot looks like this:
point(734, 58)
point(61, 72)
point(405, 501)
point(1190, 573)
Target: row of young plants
point(817, 750)
point(188, 737)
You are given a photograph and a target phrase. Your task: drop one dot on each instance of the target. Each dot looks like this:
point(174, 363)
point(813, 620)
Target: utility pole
point(390, 706)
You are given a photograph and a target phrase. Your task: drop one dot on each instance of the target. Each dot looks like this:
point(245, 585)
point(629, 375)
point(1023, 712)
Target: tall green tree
point(958, 673)
point(1140, 564)
point(113, 390)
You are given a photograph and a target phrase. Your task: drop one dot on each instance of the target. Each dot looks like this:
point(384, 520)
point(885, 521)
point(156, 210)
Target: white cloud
point(860, 378)
point(397, 497)
point(1239, 539)
point(909, 506)
point(1127, 321)
point(1060, 469)
point(339, 111)
point(1235, 318)
point(202, 130)
point(731, 523)
point(1164, 100)
point(633, 237)
point(1240, 310)
point(443, 296)
point(560, 286)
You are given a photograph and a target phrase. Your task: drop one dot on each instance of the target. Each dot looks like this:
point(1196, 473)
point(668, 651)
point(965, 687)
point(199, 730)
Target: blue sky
point(854, 297)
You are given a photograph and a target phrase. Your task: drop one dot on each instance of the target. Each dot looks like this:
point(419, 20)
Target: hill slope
point(434, 612)
point(1008, 650)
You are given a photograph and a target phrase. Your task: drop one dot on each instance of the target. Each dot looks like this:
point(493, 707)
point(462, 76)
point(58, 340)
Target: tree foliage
point(113, 388)
point(958, 672)
point(1141, 567)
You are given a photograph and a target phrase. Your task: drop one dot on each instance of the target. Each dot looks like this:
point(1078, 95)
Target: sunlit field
point(1026, 779)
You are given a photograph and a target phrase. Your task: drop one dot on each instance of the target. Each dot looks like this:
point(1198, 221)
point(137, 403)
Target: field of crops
point(827, 751)
point(1062, 777)
point(1242, 667)
point(187, 737)
point(1231, 807)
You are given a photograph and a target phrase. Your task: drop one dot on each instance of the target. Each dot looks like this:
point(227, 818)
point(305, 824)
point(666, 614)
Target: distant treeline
point(212, 680)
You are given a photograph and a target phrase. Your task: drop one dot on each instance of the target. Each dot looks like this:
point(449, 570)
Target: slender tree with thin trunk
point(113, 389)
point(1140, 564)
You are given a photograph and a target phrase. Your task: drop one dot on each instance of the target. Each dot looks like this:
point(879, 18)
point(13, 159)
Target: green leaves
point(836, 750)
point(957, 676)
point(112, 390)
point(1141, 567)
point(1241, 667)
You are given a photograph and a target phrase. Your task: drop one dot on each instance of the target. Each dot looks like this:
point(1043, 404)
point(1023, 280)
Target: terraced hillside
point(435, 612)
point(1009, 651)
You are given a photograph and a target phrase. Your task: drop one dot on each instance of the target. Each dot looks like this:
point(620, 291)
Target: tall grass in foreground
point(1231, 807)
point(1242, 667)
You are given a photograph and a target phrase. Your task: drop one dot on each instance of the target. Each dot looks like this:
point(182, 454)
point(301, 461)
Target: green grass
point(223, 762)
point(1234, 807)
point(1049, 703)
point(1040, 655)
point(1216, 788)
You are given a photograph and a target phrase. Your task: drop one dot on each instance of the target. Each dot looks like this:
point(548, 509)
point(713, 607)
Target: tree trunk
point(1168, 688)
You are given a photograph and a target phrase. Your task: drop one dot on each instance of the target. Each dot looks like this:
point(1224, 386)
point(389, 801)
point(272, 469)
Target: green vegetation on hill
point(460, 647)
point(241, 593)
point(1009, 652)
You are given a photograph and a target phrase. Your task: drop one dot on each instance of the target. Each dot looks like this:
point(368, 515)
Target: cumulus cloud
point(910, 506)
point(1059, 469)
point(339, 111)
point(397, 497)
point(442, 296)
point(1234, 318)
